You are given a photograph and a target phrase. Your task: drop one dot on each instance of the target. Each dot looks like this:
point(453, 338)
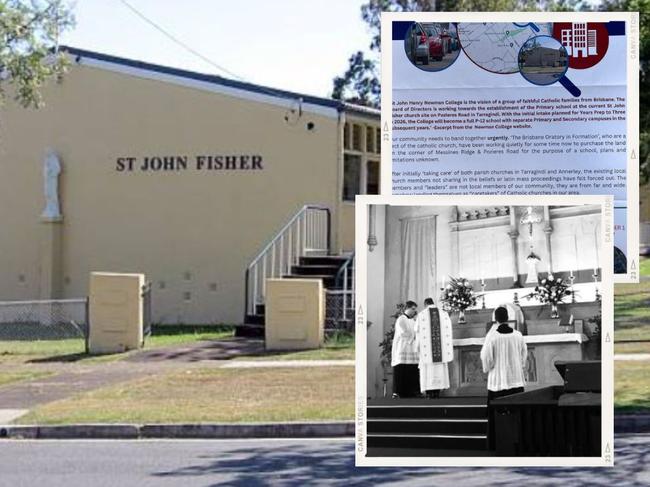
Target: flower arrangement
point(551, 291)
point(594, 334)
point(458, 295)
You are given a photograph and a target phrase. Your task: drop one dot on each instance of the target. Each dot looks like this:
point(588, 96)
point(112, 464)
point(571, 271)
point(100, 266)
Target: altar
point(503, 255)
point(549, 340)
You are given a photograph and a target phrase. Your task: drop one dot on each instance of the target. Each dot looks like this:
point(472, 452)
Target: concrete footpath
point(255, 364)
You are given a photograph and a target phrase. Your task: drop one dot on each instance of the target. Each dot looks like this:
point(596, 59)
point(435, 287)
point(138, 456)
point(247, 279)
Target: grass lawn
point(644, 266)
point(166, 335)
point(212, 395)
point(73, 350)
point(633, 347)
point(21, 375)
point(632, 310)
point(631, 385)
point(21, 351)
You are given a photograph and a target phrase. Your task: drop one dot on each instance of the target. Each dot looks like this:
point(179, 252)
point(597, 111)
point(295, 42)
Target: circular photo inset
point(494, 46)
point(543, 60)
point(432, 46)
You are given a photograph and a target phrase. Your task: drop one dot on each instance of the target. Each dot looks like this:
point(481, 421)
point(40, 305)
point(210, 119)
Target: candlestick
point(483, 291)
point(595, 276)
point(573, 292)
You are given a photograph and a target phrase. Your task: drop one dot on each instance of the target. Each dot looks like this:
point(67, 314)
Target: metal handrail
point(343, 273)
point(306, 231)
point(343, 269)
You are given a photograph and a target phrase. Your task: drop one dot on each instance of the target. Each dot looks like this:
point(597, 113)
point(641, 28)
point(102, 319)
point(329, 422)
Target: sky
point(297, 45)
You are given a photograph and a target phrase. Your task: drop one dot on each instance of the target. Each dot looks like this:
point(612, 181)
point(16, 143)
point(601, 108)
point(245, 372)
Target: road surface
point(100, 463)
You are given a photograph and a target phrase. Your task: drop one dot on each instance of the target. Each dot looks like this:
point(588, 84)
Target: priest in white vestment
point(404, 355)
point(435, 348)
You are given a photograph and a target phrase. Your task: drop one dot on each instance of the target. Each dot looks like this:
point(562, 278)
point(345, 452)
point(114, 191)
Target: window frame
point(367, 129)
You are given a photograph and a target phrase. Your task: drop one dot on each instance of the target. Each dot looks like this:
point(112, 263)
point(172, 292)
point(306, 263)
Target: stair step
point(338, 260)
point(441, 401)
point(327, 280)
point(426, 452)
point(420, 440)
point(440, 411)
point(249, 331)
point(256, 319)
point(309, 270)
point(441, 426)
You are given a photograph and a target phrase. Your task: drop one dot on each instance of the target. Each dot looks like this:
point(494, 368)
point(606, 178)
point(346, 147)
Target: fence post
point(87, 337)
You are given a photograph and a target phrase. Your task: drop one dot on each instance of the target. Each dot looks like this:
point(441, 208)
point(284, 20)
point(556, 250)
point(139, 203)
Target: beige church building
point(204, 184)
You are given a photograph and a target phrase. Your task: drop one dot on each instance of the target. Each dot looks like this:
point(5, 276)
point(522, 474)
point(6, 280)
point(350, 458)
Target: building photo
point(206, 185)
point(484, 334)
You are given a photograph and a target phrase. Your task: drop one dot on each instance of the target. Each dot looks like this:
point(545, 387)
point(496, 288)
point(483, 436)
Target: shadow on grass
point(196, 343)
point(186, 333)
point(636, 307)
point(222, 349)
point(76, 357)
point(298, 465)
point(635, 406)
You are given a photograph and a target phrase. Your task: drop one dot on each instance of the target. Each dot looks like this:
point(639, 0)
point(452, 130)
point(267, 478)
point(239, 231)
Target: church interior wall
point(376, 310)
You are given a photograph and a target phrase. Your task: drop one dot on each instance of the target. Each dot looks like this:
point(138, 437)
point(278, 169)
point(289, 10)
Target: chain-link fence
point(44, 320)
point(339, 310)
point(146, 311)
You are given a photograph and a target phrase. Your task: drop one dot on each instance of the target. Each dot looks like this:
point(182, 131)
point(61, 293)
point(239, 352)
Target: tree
point(360, 83)
point(29, 33)
point(351, 85)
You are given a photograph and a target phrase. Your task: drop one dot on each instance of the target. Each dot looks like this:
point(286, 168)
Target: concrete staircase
point(436, 427)
point(324, 267)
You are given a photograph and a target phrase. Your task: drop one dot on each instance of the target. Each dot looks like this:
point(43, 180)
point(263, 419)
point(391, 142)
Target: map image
point(495, 46)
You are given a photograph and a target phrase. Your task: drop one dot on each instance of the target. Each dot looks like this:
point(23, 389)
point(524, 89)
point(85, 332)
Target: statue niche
point(51, 172)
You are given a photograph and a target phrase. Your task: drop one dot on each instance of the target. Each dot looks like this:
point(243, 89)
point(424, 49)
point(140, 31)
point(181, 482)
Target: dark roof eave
point(219, 80)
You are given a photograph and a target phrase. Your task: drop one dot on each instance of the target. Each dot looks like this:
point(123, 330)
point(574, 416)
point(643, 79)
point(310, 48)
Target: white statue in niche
point(51, 171)
point(531, 263)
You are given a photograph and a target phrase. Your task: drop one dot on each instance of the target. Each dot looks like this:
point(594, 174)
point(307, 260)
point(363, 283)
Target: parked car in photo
point(446, 41)
point(455, 45)
point(430, 46)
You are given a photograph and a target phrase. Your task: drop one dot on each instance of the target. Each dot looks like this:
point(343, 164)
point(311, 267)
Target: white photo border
point(607, 331)
point(631, 20)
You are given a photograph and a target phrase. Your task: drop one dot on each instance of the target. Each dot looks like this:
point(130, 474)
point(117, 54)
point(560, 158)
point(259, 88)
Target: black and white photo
point(484, 330)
